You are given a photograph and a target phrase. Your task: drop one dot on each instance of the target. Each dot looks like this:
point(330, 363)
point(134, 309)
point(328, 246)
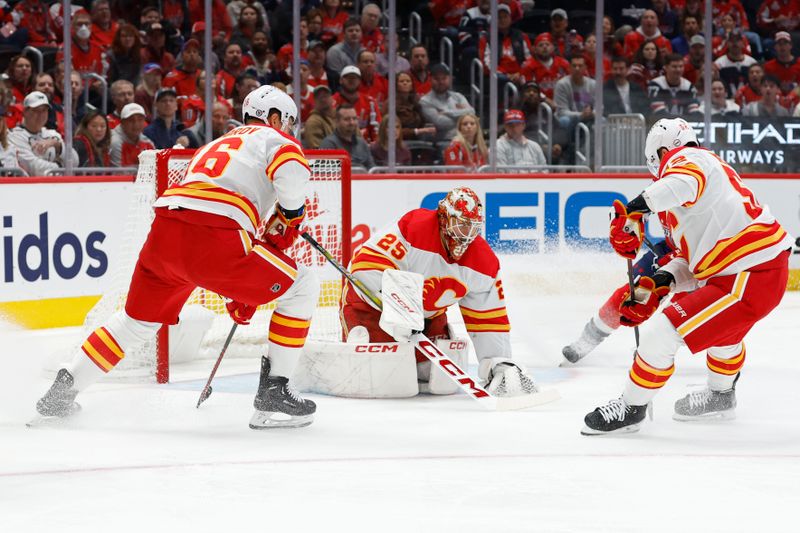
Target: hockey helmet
point(669, 133)
point(261, 101)
point(460, 220)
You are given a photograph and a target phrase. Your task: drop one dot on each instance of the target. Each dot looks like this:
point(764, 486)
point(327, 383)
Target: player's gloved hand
point(626, 232)
point(283, 227)
point(646, 298)
point(240, 313)
point(505, 377)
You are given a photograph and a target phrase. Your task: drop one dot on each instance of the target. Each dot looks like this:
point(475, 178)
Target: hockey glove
point(647, 296)
point(240, 313)
point(283, 227)
point(626, 232)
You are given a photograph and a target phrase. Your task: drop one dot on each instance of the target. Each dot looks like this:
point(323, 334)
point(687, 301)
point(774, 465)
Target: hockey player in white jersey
point(204, 234)
point(731, 271)
point(459, 267)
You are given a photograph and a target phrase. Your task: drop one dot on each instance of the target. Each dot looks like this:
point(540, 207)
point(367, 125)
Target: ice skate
point(615, 417)
point(590, 338)
point(707, 405)
point(277, 405)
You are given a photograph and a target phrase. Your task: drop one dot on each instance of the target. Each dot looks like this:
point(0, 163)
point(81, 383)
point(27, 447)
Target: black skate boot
point(707, 404)
point(588, 341)
point(60, 399)
point(615, 417)
point(277, 405)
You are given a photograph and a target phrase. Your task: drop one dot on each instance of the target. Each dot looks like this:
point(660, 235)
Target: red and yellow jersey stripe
point(287, 152)
point(728, 367)
point(207, 192)
point(486, 321)
point(369, 259)
point(287, 331)
point(103, 349)
point(648, 376)
point(691, 170)
point(752, 239)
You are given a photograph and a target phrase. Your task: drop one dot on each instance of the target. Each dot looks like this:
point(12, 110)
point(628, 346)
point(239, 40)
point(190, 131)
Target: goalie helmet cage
point(327, 219)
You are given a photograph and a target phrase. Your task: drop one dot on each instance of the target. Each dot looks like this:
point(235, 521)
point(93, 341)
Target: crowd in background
point(144, 61)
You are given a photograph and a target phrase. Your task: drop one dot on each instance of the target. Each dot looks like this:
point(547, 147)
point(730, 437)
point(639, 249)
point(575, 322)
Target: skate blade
point(716, 416)
point(589, 432)
point(274, 420)
point(524, 401)
point(52, 421)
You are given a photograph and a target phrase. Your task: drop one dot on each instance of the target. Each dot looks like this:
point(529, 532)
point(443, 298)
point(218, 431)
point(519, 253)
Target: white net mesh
point(324, 214)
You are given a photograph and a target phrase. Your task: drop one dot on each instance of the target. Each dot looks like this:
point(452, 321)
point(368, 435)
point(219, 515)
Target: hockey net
point(204, 321)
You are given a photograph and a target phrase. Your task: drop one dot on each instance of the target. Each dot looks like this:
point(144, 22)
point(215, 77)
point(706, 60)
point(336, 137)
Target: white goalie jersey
point(242, 174)
point(473, 282)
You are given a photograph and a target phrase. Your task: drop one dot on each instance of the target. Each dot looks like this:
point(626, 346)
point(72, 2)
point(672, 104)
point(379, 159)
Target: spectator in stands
point(543, 67)
point(20, 74)
point(318, 73)
point(751, 91)
point(231, 69)
point(164, 130)
point(567, 42)
point(723, 35)
point(443, 107)
point(266, 62)
point(515, 49)
point(784, 66)
point(191, 108)
point(401, 64)
point(314, 22)
point(148, 16)
point(690, 27)
point(176, 15)
point(346, 52)
point(778, 15)
point(306, 91)
point(589, 52)
point(647, 65)
point(286, 52)
point(220, 115)
point(320, 122)
point(671, 94)
point(222, 25)
point(92, 141)
point(245, 84)
point(150, 84)
point(8, 154)
point(346, 137)
point(721, 105)
point(39, 149)
point(693, 62)
point(574, 96)
point(155, 50)
point(122, 92)
point(420, 74)
point(334, 18)
point(734, 64)
point(87, 58)
point(768, 106)
point(104, 27)
point(513, 148)
point(647, 31)
point(468, 148)
point(474, 23)
point(372, 83)
point(736, 11)
point(447, 15)
point(55, 116)
point(236, 7)
point(611, 43)
point(380, 148)
point(667, 18)
point(409, 111)
point(250, 21)
point(184, 78)
point(127, 140)
point(530, 100)
point(619, 95)
point(79, 105)
point(693, 7)
point(366, 108)
point(125, 56)
point(371, 34)
point(34, 16)
point(217, 44)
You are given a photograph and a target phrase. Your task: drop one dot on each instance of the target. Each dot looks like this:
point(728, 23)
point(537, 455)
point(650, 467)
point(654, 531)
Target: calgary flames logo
point(435, 291)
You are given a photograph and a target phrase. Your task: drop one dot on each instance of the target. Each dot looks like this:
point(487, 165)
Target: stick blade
point(525, 401)
point(204, 394)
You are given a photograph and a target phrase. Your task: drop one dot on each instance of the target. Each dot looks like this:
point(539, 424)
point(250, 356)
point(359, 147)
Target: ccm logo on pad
point(376, 348)
point(402, 303)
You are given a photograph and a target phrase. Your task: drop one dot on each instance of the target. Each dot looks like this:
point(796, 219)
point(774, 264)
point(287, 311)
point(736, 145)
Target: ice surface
point(140, 457)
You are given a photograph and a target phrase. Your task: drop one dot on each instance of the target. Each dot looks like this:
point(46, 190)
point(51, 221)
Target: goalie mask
point(261, 101)
point(460, 220)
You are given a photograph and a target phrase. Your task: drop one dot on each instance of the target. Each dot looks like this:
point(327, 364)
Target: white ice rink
point(141, 458)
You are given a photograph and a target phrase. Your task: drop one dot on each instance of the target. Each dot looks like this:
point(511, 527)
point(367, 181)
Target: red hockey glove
point(240, 313)
point(627, 230)
point(283, 227)
point(646, 299)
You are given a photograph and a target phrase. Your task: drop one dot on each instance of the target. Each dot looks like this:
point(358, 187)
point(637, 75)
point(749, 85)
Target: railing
point(510, 95)
point(104, 93)
point(632, 169)
point(419, 168)
point(476, 86)
point(582, 136)
point(12, 172)
point(535, 168)
point(100, 171)
point(414, 29)
point(39, 56)
point(545, 109)
point(623, 140)
point(446, 52)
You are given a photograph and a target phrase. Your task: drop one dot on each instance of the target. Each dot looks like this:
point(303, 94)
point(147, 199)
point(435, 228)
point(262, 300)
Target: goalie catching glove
point(626, 232)
point(283, 227)
point(648, 294)
point(504, 377)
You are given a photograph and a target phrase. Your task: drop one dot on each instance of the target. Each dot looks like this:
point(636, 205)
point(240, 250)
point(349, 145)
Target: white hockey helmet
point(261, 101)
point(669, 133)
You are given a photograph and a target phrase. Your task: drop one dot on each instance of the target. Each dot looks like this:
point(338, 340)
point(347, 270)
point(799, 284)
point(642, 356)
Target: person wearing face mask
point(87, 56)
point(39, 149)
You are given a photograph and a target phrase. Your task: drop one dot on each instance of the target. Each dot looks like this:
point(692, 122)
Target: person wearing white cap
point(784, 66)
point(127, 141)
point(367, 109)
point(39, 149)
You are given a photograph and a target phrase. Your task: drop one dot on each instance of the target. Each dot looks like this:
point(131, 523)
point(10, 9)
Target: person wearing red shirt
point(371, 35)
point(693, 61)
point(86, 56)
point(306, 91)
point(333, 19)
point(751, 91)
point(34, 16)
point(589, 49)
point(286, 52)
point(154, 49)
point(318, 74)
point(468, 148)
point(127, 140)
point(785, 66)
point(176, 13)
point(219, 14)
point(565, 40)
point(545, 68)
point(448, 13)
point(778, 15)
point(192, 107)
point(369, 116)
point(515, 48)
point(103, 27)
point(420, 75)
point(647, 31)
point(20, 74)
point(231, 69)
point(372, 83)
point(184, 79)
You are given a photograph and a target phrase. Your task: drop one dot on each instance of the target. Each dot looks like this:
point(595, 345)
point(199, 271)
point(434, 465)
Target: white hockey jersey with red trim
point(473, 282)
point(708, 213)
point(241, 174)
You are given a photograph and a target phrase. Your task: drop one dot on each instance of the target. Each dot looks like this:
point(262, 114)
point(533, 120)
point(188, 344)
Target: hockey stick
point(438, 357)
point(206, 392)
point(632, 288)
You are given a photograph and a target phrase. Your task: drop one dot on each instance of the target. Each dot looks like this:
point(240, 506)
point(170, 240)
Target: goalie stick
point(438, 358)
